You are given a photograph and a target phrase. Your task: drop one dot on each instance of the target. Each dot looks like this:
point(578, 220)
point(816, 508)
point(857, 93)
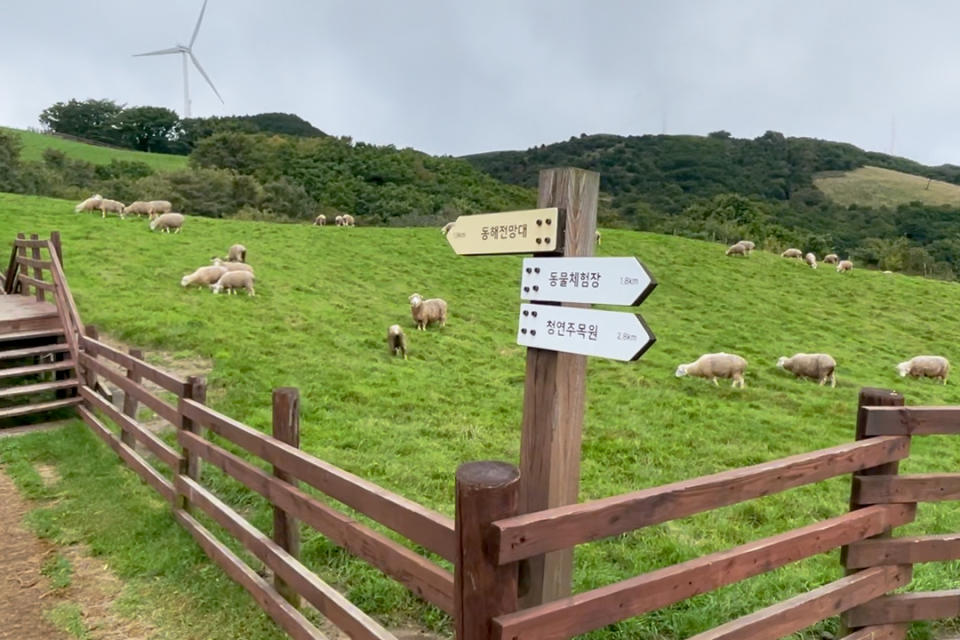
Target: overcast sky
point(452, 77)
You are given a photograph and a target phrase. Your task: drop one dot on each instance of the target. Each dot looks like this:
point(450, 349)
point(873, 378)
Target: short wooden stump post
point(286, 531)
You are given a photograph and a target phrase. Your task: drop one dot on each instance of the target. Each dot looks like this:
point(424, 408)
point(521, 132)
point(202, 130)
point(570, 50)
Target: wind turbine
point(185, 51)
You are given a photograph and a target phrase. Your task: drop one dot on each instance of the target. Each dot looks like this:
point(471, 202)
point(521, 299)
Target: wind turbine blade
point(204, 74)
point(158, 53)
point(196, 29)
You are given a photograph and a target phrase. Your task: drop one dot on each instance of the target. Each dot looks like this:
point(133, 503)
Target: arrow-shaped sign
point(619, 281)
point(530, 231)
point(589, 332)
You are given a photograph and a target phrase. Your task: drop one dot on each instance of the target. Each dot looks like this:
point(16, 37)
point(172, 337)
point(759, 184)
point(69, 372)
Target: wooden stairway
point(37, 373)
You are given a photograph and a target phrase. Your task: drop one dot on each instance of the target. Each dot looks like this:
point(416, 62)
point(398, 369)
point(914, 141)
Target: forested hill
point(721, 188)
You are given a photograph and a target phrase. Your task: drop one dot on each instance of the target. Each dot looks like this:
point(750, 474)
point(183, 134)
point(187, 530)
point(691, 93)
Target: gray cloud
point(457, 77)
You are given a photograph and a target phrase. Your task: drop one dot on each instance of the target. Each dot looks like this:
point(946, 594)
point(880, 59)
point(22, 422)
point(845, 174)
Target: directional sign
point(531, 231)
point(622, 281)
point(589, 332)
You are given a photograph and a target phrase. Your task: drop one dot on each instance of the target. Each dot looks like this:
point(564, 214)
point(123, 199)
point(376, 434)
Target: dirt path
point(22, 585)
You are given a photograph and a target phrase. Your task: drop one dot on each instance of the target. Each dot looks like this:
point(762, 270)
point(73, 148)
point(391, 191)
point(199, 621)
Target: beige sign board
point(529, 231)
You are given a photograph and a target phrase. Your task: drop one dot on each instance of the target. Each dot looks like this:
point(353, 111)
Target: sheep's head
point(184, 281)
point(782, 360)
point(216, 287)
point(903, 368)
point(681, 371)
point(415, 300)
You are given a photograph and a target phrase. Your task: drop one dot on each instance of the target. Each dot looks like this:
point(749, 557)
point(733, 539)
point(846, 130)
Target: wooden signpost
point(561, 235)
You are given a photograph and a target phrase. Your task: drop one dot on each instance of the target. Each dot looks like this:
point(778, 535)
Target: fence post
point(129, 402)
point(872, 397)
point(21, 252)
point(37, 271)
point(197, 391)
point(486, 492)
point(89, 375)
point(286, 530)
point(55, 239)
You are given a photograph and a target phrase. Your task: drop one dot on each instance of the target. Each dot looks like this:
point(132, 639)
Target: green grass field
point(34, 144)
point(876, 187)
point(325, 297)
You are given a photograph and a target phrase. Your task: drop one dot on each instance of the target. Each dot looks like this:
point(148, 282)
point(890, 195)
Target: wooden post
point(554, 395)
point(286, 530)
point(486, 492)
point(872, 397)
point(55, 240)
point(129, 402)
point(37, 271)
point(22, 252)
point(89, 375)
point(197, 391)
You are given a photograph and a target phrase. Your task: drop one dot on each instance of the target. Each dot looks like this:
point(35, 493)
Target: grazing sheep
point(925, 367)
point(160, 206)
point(397, 341)
point(140, 207)
point(232, 266)
point(716, 365)
point(749, 245)
point(831, 258)
point(426, 311)
point(237, 253)
point(203, 276)
point(792, 253)
point(348, 220)
point(818, 366)
point(737, 250)
point(811, 260)
point(90, 204)
point(167, 221)
point(113, 206)
point(339, 221)
point(233, 280)
point(320, 221)
point(446, 228)
point(846, 265)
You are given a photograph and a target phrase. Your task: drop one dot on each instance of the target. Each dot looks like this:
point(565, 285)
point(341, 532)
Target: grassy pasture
point(876, 187)
point(34, 144)
point(325, 297)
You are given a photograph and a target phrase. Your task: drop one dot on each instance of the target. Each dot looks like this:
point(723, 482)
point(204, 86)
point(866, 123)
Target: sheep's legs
point(715, 383)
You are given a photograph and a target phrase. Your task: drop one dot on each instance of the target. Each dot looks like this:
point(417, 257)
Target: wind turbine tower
point(185, 52)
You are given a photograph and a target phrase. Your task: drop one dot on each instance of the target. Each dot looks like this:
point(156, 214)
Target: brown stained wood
point(285, 615)
point(878, 632)
point(527, 535)
point(809, 608)
point(912, 550)
point(9, 277)
point(286, 429)
point(554, 396)
point(37, 272)
point(325, 598)
point(40, 407)
point(29, 335)
point(160, 407)
point(486, 491)
point(907, 607)
point(594, 609)
point(39, 284)
point(31, 369)
point(913, 421)
point(57, 248)
point(128, 425)
point(922, 487)
point(128, 455)
point(195, 390)
point(136, 364)
point(416, 573)
point(27, 352)
point(66, 306)
point(39, 387)
point(130, 403)
point(421, 525)
point(30, 244)
point(35, 264)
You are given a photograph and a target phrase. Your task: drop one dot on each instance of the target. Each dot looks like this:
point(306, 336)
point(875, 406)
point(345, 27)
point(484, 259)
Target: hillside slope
point(34, 144)
point(325, 297)
point(877, 187)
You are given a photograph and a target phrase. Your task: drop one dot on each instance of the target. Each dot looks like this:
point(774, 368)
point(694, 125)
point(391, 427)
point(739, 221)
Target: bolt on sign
point(529, 231)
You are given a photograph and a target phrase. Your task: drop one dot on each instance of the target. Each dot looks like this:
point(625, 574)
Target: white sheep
point(113, 206)
point(320, 221)
point(204, 276)
point(232, 266)
point(426, 311)
point(140, 207)
point(159, 206)
point(738, 249)
point(831, 258)
point(819, 366)
point(846, 265)
point(925, 367)
point(792, 253)
point(90, 204)
point(748, 244)
point(811, 259)
point(233, 280)
point(339, 221)
point(167, 221)
point(397, 340)
point(716, 365)
point(446, 228)
point(237, 253)
point(348, 220)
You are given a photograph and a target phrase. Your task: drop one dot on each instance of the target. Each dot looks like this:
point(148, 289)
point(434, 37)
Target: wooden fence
point(489, 538)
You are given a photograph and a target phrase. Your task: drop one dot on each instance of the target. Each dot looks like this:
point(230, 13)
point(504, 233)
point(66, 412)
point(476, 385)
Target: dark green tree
point(147, 128)
point(90, 119)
